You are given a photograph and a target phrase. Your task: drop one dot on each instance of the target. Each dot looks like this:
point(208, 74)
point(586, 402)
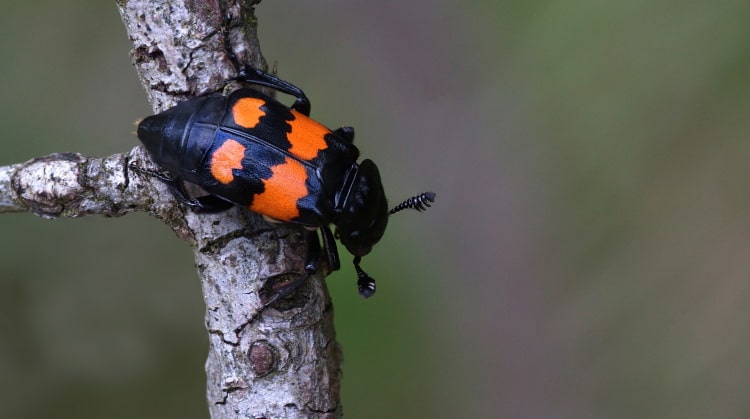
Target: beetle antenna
point(365, 283)
point(419, 202)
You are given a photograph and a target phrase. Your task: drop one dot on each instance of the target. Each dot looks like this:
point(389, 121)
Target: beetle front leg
point(330, 249)
point(365, 283)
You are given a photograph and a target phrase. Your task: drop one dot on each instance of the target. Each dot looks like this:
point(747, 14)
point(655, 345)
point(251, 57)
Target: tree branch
point(278, 362)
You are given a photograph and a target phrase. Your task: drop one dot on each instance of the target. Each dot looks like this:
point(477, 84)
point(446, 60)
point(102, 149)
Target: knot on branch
point(46, 185)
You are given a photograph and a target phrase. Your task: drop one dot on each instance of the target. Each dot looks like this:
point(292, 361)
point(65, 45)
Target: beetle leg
point(365, 283)
point(153, 173)
point(254, 76)
point(329, 247)
point(312, 264)
point(314, 252)
point(251, 75)
point(207, 203)
point(174, 184)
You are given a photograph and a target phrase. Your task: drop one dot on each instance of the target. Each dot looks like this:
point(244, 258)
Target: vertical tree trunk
point(282, 362)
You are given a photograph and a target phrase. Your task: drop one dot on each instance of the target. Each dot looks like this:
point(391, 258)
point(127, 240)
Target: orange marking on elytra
point(307, 136)
point(247, 112)
point(282, 191)
point(225, 158)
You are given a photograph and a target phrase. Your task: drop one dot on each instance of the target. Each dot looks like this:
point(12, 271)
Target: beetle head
point(364, 214)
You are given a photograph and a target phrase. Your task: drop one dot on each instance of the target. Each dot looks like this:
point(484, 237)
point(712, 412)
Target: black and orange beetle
point(248, 149)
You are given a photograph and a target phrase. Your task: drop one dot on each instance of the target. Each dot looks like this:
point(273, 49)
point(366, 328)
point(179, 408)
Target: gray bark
point(279, 362)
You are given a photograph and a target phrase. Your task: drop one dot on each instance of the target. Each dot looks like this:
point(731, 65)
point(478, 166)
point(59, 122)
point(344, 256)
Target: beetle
point(249, 149)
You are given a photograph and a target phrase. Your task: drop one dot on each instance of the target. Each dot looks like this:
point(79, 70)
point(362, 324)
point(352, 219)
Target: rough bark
point(279, 362)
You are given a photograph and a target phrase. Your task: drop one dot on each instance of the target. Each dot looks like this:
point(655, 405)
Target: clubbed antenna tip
point(419, 202)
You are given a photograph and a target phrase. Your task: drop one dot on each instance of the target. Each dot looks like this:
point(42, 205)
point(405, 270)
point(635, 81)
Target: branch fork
point(279, 362)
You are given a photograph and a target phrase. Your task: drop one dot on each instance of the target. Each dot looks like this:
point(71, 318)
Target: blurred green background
point(588, 257)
